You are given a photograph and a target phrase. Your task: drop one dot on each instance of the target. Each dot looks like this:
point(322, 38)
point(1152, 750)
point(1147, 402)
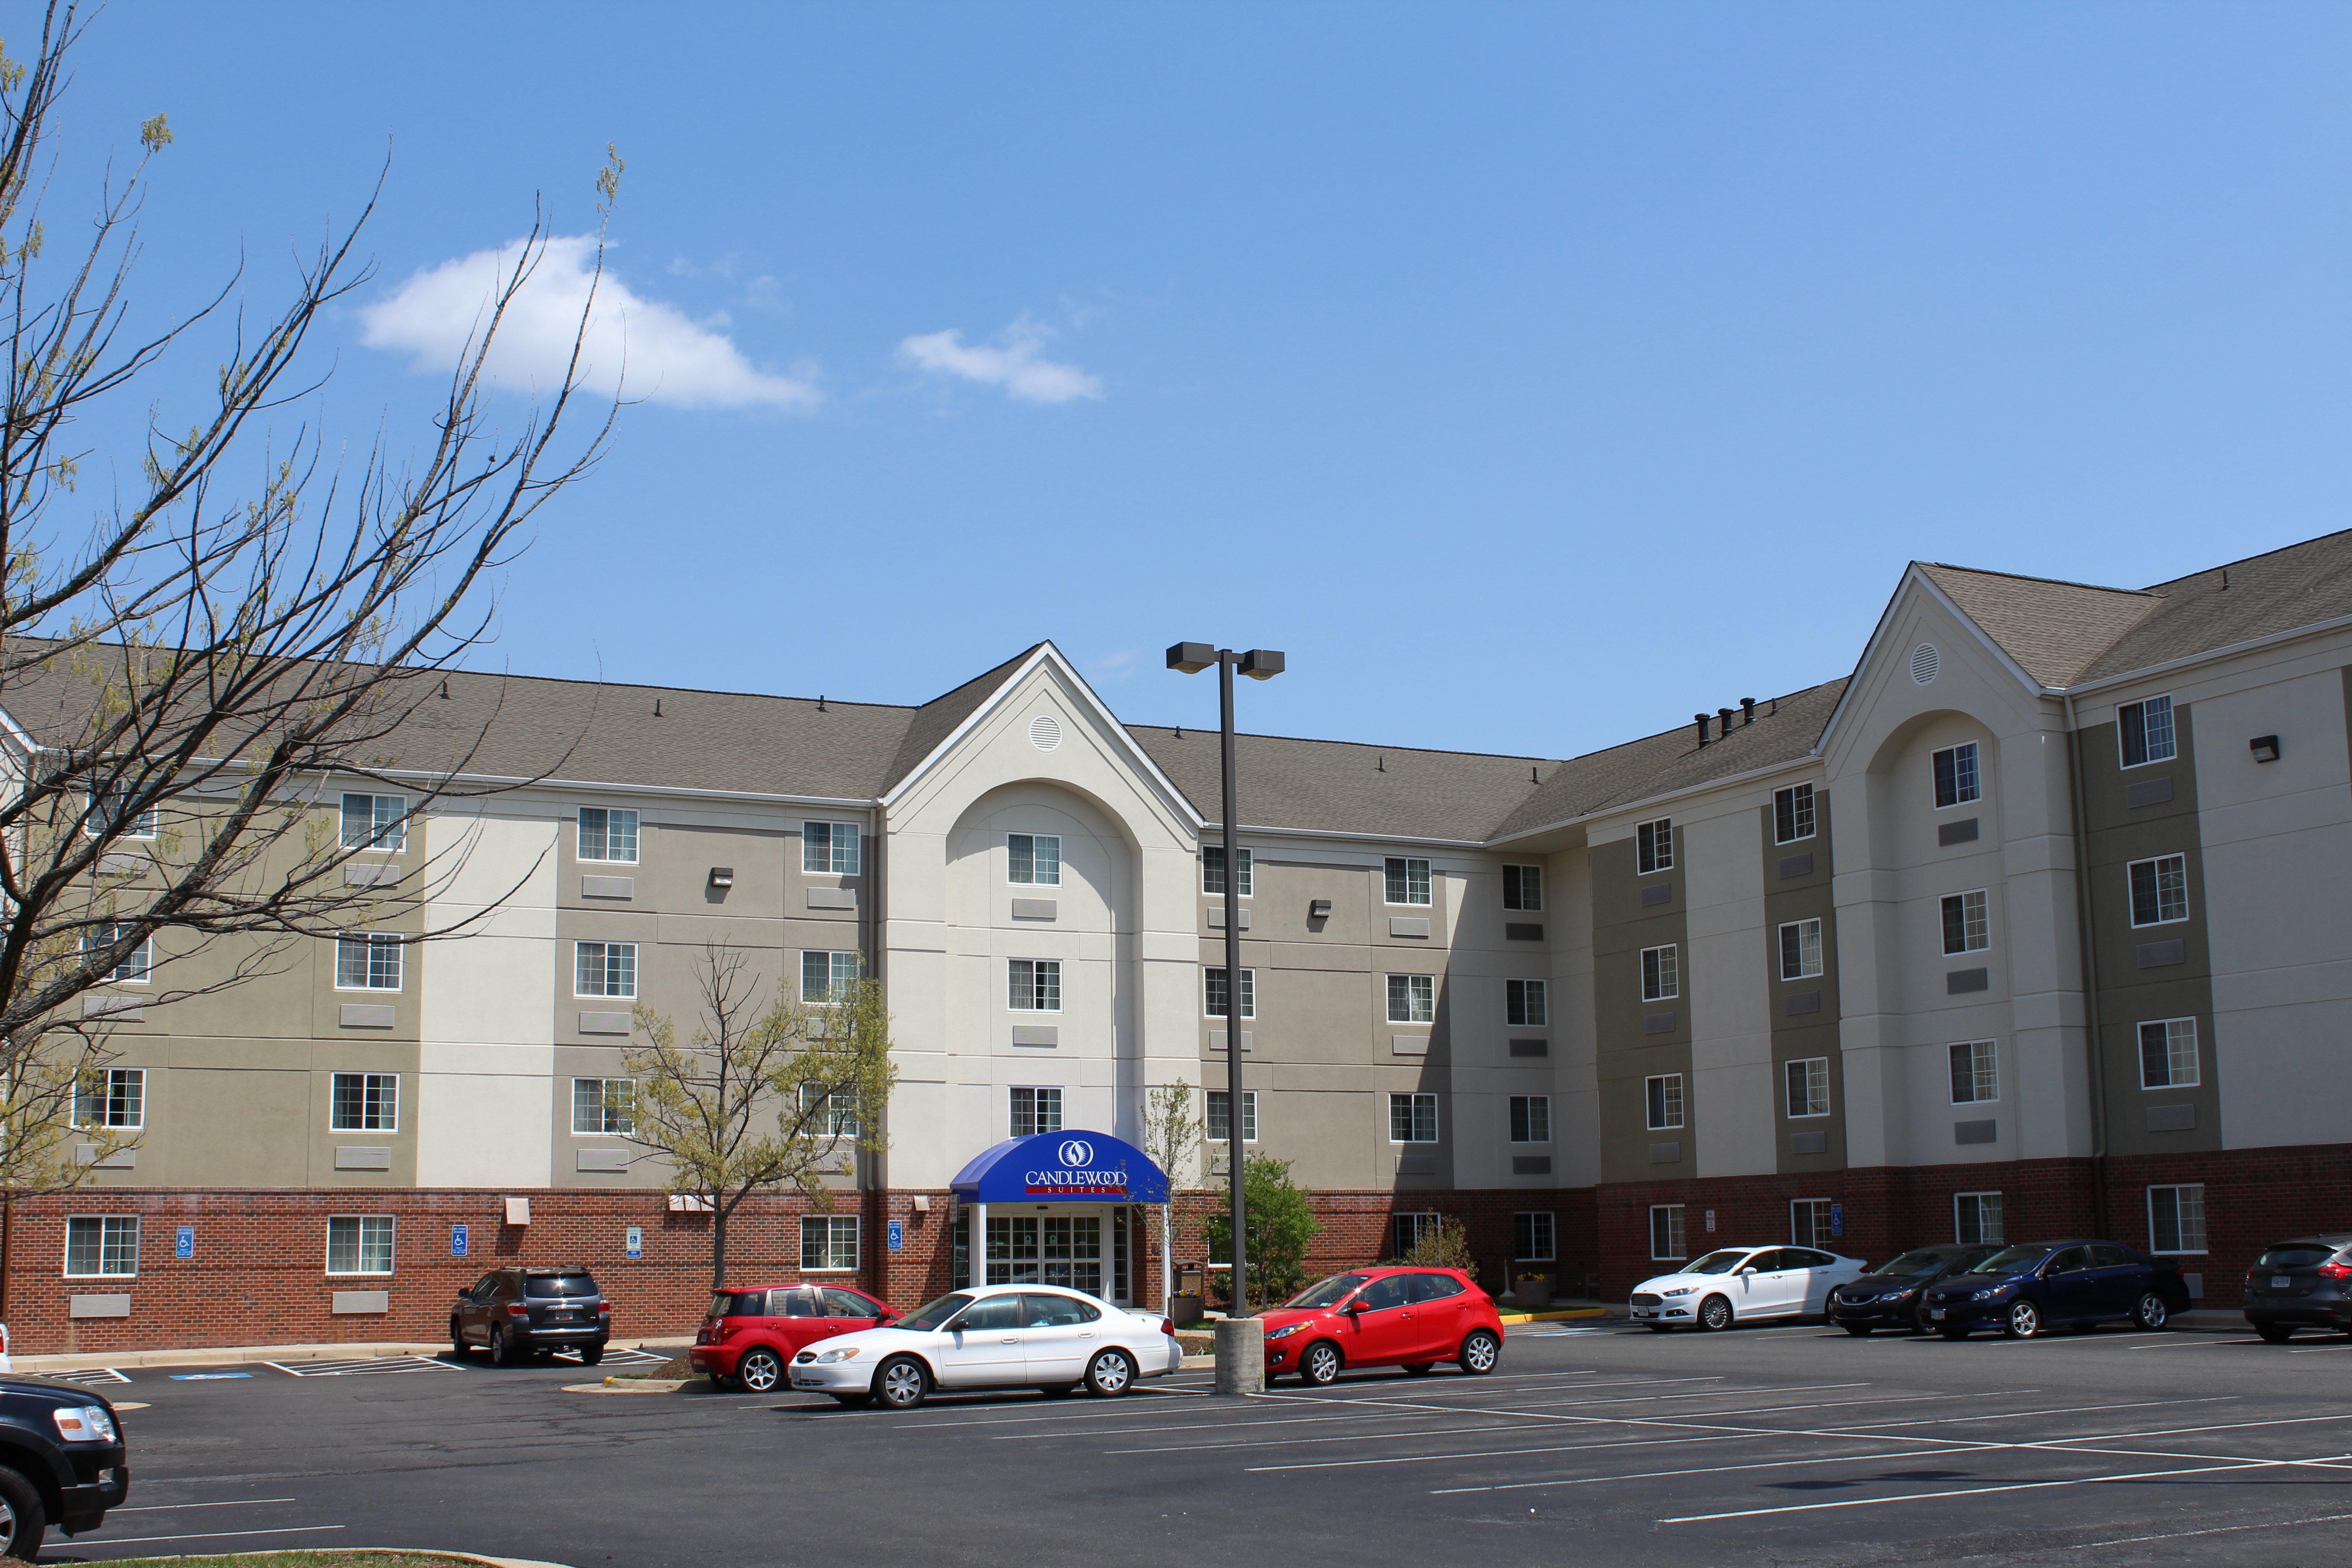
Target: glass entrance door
point(1048, 1250)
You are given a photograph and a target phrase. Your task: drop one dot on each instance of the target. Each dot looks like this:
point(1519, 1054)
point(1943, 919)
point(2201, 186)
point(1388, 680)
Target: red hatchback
point(750, 1336)
point(1412, 1318)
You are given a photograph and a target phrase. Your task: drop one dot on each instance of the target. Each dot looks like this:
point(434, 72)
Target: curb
point(377, 1551)
point(1561, 1315)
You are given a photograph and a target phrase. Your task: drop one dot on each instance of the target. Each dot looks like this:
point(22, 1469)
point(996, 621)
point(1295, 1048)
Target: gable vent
point(1923, 664)
point(1044, 732)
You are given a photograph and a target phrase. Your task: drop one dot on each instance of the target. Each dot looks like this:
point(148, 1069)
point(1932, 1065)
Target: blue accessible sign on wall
point(184, 1246)
point(460, 1238)
point(1837, 1218)
point(636, 1241)
point(897, 1235)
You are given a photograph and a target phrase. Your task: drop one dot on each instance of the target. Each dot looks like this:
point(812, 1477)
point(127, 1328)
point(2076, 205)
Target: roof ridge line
point(2241, 561)
point(2055, 582)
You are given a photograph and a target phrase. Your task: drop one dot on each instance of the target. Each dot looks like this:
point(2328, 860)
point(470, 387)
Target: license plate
point(2281, 1282)
point(1646, 1311)
point(1935, 1312)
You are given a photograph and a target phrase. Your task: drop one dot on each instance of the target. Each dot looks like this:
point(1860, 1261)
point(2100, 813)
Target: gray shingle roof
point(2053, 630)
point(2299, 585)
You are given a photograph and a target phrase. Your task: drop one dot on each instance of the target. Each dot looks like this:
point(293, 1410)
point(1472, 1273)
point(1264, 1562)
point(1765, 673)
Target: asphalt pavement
point(1791, 1444)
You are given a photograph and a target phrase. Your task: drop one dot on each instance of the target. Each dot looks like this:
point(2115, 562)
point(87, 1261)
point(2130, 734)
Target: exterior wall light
point(722, 876)
point(2266, 748)
point(1318, 909)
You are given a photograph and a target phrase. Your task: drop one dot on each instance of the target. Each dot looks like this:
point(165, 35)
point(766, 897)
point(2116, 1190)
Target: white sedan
point(1734, 1284)
point(1002, 1336)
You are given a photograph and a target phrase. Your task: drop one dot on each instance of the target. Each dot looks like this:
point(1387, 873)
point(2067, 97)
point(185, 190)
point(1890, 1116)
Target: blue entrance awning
point(1062, 1167)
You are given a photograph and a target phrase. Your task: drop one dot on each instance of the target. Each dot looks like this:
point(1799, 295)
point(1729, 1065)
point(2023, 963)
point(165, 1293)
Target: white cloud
point(1012, 362)
point(1117, 665)
point(634, 347)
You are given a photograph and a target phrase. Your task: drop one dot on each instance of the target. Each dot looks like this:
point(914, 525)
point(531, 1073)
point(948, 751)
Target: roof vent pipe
point(1725, 714)
point(1747, 711)
point(1702, 727)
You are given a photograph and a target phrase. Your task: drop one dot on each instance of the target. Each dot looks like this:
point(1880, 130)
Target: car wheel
point(1479, 1354)
point(1109, 1375)
point(1714, 1313)
point(853, 1401)
point(1859, 1330)
point(591, 1354)
point(22, 1521)
point(1319, 1367)
point(2151, 1314)
point(502, 1349)
point(1955, 1333)
point(760, 1370)
point(902, 1383)
point(2275, 1333)
point(1417, 1369)
point(2023, 1323)
point(457, 1345)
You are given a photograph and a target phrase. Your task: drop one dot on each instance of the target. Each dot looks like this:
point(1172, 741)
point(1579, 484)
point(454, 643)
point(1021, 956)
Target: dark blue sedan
point(2031, 1288)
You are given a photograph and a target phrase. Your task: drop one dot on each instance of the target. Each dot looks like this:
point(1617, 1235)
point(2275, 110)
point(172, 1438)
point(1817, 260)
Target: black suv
point(62, 1462)
point(2305, 1283)
point(517, 1312)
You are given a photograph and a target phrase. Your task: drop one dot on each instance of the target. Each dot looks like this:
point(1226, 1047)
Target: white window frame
point(606, 951)
point(1542, 1244)
point(1210, 1105)
point(1659, 854)
point(1817, 1075)
point(1538, 1117)
point(1819, 1223)
point(372, 944)
point(605, 857)
point(95, 819)
point(370, 1083)
point(1652, 1103)
point(1677, 1238)
point(105, 1098)
point(2000, 1224)
point(1976, 775)
point(360, 1246)
point(837, 973)
point(2171, 733)
point(1249, 992)
point(1043, 991)
point(1809, 817)
point(1423, 1222)
point(840, 860)
point(1419, 996)
point(834, 1226)
point(1977, 1070)
point(138, 966)
point(1418, 1101)
point(1398, 869)
point(2132, 897)
point(1531, 1000)
point(837, 1115)
point(2195, 1057)
point(1246, 884)
point(383, 831)
point(1666, 975)
point(1516, 885)
point(1061, 1108)
point(1808, 956)
point(1976, 939)
point(104, 1222)
point(616, 1115)
point(2180, 1219)
point(1034, 881)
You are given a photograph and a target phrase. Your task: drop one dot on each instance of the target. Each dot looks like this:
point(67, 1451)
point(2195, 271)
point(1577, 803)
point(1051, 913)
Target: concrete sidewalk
point(225, 1355)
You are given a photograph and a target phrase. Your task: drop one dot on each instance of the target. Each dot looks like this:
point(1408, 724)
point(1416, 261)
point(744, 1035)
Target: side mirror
point(1353, 1307)
point(886, 1316)
point(1744, 1273)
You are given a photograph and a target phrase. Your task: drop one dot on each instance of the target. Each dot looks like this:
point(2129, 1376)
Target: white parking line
point(209, 1536)
point(2218, 1530)
point(1976, 1491)
point(169, 1507)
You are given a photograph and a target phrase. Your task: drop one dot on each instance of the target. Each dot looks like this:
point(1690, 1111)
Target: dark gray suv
point(517, 1312)
point(2305, 1283)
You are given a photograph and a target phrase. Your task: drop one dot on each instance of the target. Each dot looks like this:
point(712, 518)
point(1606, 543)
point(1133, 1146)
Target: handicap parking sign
point(184, 1246)
point(459, 1239)
point(897, 1235)
point(636, 1241)
point(1837, 1219)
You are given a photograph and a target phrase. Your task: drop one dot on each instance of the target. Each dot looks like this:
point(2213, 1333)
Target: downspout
point(2087, 927)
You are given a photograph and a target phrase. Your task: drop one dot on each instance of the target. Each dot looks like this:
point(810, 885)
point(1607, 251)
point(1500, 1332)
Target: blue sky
point(1549, 373)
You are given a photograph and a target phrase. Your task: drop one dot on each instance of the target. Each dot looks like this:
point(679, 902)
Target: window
point(1213, 871)
point(2145, 731)
point(1975, 1219)
point(2160, 890)
point(364, 1102)
point(1661, 974)
point(1034, 985)
point(111, 1097)
point(603, 1106)
point(836, 1110)
point(1034, 859)
point(1956, 776)
point(1410, 1230)
point(604, 969)
point(1664, 1094)
point(1523, 887)
point(608, 834)
point(1037, 1111)
point(1413, 998)
point(367, 961)
point(2176, 1218)
point(1407, 881)
point(2167, 1054)
point(1413, 1119)
point(828, 1243)
point(359, 1244)
point(1976, 1072)
point(829, 848)
point(1523, 1004)
point(1809, 1087)
point(1667, 1232)
point(1530, 1119)
point(826, 977)
point(1793, 813)
point(1801, 950)
point(1221, 1115)
point(1966, 929)
point(1810, 1222)
point(103, 1247)
point(134, 966)
point(1654, 846)
point(375, 822)
point(107, 815)
point(1531, 1238)
point(1213, 988)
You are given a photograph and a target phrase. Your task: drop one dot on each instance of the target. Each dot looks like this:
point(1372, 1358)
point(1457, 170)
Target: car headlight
point(1285, 1332)
point(1898, 1295)
point(84, 1424)
point(1988, 1293)
point(1680, 1290)
point(847, 1353)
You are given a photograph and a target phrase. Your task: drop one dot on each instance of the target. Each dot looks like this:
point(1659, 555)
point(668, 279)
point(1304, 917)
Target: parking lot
point(1782, 1445)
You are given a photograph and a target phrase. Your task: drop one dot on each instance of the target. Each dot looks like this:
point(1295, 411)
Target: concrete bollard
point(1240, 1356)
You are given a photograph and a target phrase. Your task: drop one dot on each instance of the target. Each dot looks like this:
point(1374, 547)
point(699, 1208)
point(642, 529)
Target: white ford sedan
point(1734, 1284)
point(1002, 1336)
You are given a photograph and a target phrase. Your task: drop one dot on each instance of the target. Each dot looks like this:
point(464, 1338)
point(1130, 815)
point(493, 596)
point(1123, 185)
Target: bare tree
point(764, 1098)
point(230, 630)
point(1172, 1137)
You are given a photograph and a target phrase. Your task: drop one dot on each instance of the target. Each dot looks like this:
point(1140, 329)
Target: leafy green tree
point(1279, 1224)
point(1447, 1247)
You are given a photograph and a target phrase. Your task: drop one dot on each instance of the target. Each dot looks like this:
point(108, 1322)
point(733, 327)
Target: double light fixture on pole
point(1258, 664)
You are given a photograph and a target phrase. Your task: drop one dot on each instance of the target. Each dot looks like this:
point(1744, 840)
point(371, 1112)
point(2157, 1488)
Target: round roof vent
point(1044, 732)
point(1923, 664)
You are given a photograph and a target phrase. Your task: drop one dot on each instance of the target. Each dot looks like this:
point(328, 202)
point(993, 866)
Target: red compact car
point(750, 1336)
point(1412, 1318)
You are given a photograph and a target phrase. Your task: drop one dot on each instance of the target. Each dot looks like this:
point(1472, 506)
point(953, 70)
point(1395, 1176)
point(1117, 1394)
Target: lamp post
point(1258, 664)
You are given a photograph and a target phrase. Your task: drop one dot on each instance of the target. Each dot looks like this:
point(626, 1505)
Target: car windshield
point(557, 1285)
point(931, 1314)
point(2296, 1255)
point(2012, 1260)
point(739, 1304)
point(1329, 1293)
point(1722, 1262)
point(1911, 1265)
